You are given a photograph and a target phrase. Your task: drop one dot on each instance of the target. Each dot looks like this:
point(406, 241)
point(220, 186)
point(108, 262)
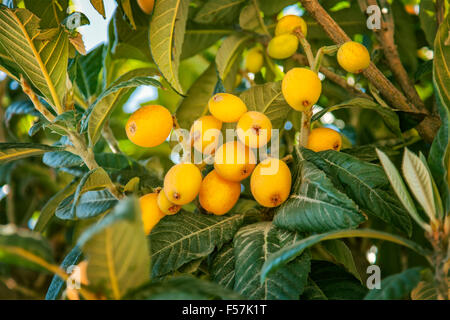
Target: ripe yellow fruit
point(226, 107)
point(282, 46)
point(353, 57)
point(165, 205)
point(301, 88)
point(146, 5)
point(182, 183)
point(289, 23)
point(254, 60)
point(205, 134)
point(151, 214)
point(79, 274)
point(254, 129)
point(149, 126)
point(234, 161)
point(321, 139)
point(271, 182)
point(218, 195)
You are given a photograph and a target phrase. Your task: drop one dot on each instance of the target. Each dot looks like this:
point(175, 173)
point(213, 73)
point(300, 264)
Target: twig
point(305, 127)
point(306, 46)
point(428, 127)
point(385, 37)
point(108, 135)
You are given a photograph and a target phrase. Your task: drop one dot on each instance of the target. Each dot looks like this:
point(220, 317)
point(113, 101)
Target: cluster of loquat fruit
point(235, 161)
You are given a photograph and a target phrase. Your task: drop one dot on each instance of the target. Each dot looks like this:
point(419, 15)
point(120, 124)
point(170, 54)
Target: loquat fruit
point(254, 129)
point(271, 182)
point(234, 161)
point(218, 195)
point(151, 214)
point(182, 183)
point(146, 5)
point(301, 88)
point(353, 57)
point(149, 126)
point(282, 46)
point(205, 134)
point(254, 60)
point(289, 23)
point(321, 139)
point(165, 205)
point(226, 107)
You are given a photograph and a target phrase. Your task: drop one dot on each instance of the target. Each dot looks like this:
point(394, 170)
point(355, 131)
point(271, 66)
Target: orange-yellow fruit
point(218, 195)
point(165, 205)
point(205, 134)
point(149, 126)
point(321, 139)
point(226, 107)
point(146, 5)
point(182, 183)
point(234, 161)
point(254, 60)
point(254, 129)
point(353, 57)
point(289, 23)
point(271, 182)
point(282, 46)
point(151, 214)
point(79, 274)
point(301, 88)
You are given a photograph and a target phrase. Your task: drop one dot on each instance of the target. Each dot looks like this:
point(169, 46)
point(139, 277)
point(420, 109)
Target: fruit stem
point(306, 46)
point(305, 127)
point(260, 19)
point(327, 50)
point(110, 138)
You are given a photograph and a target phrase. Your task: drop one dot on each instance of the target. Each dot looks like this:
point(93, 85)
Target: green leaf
point(425, 290)
point(48, 211)
point(315, 205)
point(365, 183)
point(222, 267)
point(268, 99)
point(400, 189)
point(182, 288)
point(390, 118)
point(50, 12)
point(166, 37)
point(99, 6)
point(100, 111)
point(249, 20)
point(196, 40)
point(19, 108)
point(127, 9)
point(87, 72)
point(252, 246)
point(24, 248)
point(288, 253)
point(428, 21)
point(195, 104)
point(397, 286)
point(419, 181)
point(186, 236)
point(61, 159)
point(229, 54)
point(42, 62)
point(117, 250)
point(219, 12)
point(14, 151)
point(313, 292)
point(274, 7)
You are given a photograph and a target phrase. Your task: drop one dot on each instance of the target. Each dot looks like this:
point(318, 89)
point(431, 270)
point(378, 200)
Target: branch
point(108, 135)
point(428, 127)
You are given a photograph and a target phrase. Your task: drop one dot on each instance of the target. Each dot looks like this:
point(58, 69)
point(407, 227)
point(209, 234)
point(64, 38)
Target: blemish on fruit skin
point(275, 200)
point(176, 196)
point(305, 103)
point(218, 98)
point(256, 129)
point(173, 209)
point(132, 128)
point(336, 146)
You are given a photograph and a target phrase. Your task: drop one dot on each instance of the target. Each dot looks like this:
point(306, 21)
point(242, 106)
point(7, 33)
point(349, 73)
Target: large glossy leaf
point(229, 53)
point(100, 111)
point(274, 7)
point(268, 99)
point(390, 118)
point(182, 288)
point(219, 12)
point(14, 151)
point(195, 104)
point(99, 6)
point(42, 62)
point(315, 205)
point(24, 248)
point(87, 70)
point(186, 236)
point(61, 159)
point(19, 108)
point(166, 37)
point(196, 40)
point(48, 211)
point(222, 267)
point(252, 246)
point(288, 253)
point(397, 286)
point(365, 183)
point(117, 250)
point(57, 283)
point(50, 12)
